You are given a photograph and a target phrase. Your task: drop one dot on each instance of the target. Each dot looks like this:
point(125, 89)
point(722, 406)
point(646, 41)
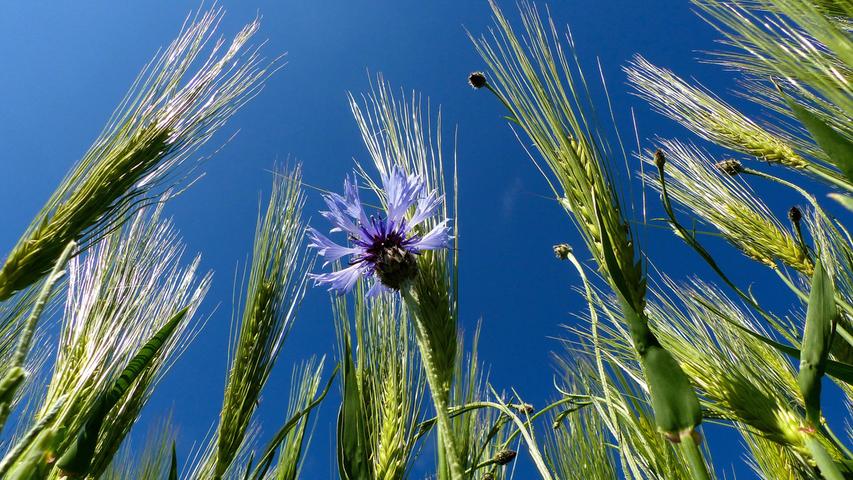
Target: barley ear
point(275, 289)
point(166, 116)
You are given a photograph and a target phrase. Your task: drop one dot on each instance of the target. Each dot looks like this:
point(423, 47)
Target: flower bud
point(660, 159)
point(730, 167)
point(795, 215)
point(505, 456)
point(562, 251)
point(477, 80)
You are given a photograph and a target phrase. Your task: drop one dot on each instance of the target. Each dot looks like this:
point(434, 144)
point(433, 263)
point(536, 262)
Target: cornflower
point(380, 247)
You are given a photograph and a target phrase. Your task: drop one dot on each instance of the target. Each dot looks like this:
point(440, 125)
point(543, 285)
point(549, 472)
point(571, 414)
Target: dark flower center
point(389, 252)
point(395, 266)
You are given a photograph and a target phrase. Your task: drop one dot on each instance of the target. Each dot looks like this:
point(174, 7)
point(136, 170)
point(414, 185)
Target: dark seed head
point(730, 167)
point(395, 267)
point(504, 456)
point(477, 79)
point(562, 251)
point(795, 215)
point(660, 158)
point(488, 476)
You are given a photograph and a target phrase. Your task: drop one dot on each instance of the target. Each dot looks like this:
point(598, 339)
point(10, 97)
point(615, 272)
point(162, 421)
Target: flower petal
point(426, 208)
point(438, 237)
point(401, 191)
point(337, 216)
point(340, 281)
point(328, 249)
point(376, 289)
point(353, 202)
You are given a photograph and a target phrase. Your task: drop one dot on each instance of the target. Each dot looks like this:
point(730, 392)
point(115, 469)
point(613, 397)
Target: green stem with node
point(689, 447)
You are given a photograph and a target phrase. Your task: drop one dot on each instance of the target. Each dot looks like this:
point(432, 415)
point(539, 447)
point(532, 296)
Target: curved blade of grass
point(266, 459)
point(353, 459)
point(305, 384)
point(77, 458)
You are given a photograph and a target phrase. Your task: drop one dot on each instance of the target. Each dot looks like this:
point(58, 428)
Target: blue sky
point(67, 64)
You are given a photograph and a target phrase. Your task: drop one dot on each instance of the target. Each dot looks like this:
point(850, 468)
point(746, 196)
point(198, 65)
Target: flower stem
point(690, 448)
point(829, 177)
point(15, 374)
point(828, 468)
point(30, 327)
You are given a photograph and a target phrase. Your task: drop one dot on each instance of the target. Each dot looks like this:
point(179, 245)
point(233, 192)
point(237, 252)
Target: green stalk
point(439, 394)
point(825, 463)
point(426, 425)
point(30, 327)
point(521, 428)
point(439, 387)
point(690, 449)
point(15, 373)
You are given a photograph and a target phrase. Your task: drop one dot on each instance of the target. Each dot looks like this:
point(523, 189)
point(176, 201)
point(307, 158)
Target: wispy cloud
point(510, 197)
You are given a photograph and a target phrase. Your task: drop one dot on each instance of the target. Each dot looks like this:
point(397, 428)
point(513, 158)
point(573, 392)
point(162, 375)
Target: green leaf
point(817, 338)
point(173, 467)
point(844, 200)
point(266, 459)
point(75, 462)
point(143, 358)
point(353, 458)
point(834, 145)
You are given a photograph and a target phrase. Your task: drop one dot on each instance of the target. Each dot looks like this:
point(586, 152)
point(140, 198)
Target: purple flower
point(382, 248)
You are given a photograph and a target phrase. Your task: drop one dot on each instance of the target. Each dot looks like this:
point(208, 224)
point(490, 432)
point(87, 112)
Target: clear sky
point(67, 64)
